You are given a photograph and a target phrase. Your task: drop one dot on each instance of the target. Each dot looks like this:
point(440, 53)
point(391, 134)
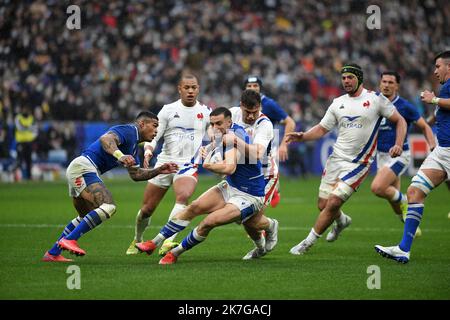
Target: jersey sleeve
point(162, 125)
point(123, 133)
point(412, 113)
point(329, 120)
point(263, 133)
point(273, 110)
point(387, 109)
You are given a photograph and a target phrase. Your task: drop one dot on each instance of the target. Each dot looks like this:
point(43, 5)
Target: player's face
point(388, 86)
point(442, 71)
point(250, 114)
point(188, 90)
point(349, 82)
point(253, 86)
point(148, 129)
point(220, 124)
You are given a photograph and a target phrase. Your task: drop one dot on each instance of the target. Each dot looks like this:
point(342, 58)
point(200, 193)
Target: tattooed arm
point(109, 142)
point(140, 174)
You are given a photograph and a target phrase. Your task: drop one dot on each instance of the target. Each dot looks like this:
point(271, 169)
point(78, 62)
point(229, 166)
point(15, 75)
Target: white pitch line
point(232, 227)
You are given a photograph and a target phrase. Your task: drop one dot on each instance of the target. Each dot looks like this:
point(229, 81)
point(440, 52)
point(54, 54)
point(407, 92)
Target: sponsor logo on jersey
point(350, 123)
point(200, 116)
point(366, 104)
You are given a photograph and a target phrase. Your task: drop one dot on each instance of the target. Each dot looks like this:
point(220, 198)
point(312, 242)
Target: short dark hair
point(443, 55)
point(221, 110)
point(250, 98)
point(188, 75)
point(392, 73)
point(146, 115)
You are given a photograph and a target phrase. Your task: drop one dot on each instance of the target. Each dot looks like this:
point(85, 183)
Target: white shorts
point(165, 180)
point(398, 165)
point(336, 169)
point(247, 204)
point(80, 173)
point(438, 159)
point(272, 185)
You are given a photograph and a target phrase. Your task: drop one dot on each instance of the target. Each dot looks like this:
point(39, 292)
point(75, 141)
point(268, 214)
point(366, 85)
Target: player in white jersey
point(358, 115)
point(182, 125)
point(434, 170)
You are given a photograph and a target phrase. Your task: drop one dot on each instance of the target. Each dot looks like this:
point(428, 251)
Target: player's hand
point(395, 151)
point(283, 152)
point(426, 96)
point(294, 137)
point(127, 161)
point(148, 154)
point(169, 167)
point(205, 150)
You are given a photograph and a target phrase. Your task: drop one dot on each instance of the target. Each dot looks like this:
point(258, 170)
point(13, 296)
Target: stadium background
point(128, 55)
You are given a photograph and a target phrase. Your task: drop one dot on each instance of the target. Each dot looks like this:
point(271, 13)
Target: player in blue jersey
point(386, 183)
point(436, 167)
point(92, 200)
point(276, 114)
point(238, 198)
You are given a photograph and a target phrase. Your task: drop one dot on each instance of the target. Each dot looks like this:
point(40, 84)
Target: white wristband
point(435, 100)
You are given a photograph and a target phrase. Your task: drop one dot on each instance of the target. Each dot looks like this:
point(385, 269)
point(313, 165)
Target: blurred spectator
point(25, 134)
point(128, 54)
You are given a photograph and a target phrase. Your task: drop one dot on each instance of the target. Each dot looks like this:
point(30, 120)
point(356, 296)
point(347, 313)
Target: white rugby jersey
point(183, 129)
point(358, 120)
point(260, 132)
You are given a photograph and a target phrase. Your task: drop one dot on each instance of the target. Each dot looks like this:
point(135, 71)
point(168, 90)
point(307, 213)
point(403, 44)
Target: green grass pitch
point(33, 214)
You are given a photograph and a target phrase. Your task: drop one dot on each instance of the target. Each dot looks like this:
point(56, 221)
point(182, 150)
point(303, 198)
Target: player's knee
point(420, 186)
point(334, 203)
point(106, 211)
point(415, 195)
point(183, 197)
point(377, 189)
point(321, 203)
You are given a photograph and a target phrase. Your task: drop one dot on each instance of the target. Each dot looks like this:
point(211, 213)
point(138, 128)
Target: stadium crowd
point(128, 54)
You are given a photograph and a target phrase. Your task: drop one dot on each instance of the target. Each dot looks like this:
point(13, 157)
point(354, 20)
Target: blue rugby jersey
point(387, 132)
point(128, 143)
point(248, 178)
point(443, 118)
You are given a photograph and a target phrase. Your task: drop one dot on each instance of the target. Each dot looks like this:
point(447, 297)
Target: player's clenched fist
point(395, 151)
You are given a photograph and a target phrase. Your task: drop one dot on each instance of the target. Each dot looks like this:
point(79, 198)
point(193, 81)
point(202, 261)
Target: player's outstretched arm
point(314, 133)
point(289, 126)
point(110, 142)
point(141, 174)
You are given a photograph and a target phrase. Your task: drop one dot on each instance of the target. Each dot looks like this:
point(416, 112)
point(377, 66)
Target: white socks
point(312, 236)
point(341, 219)
point(141, 225)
